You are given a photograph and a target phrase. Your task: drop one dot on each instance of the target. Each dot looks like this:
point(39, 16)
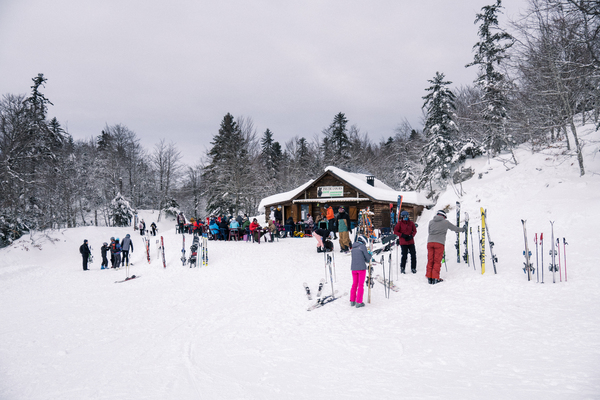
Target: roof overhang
point(331, 200)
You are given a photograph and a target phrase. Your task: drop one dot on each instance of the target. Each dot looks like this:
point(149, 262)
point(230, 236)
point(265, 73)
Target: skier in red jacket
point(406, 230)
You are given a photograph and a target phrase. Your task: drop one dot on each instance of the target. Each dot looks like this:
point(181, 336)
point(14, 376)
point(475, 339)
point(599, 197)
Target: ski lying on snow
point(128, 279)
point(325, 300)
point(386, 283)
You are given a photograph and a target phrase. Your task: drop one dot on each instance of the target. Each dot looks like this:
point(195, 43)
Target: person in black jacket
point(104, 250)
point(278, 216)
point(85, 253)
point(343, 228)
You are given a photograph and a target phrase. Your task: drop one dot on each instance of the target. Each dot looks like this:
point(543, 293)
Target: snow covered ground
point(238, 328)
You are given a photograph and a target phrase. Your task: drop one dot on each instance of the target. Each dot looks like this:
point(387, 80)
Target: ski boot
point(359, 305)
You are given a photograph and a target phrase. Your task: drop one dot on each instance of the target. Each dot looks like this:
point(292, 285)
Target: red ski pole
point(565, 256)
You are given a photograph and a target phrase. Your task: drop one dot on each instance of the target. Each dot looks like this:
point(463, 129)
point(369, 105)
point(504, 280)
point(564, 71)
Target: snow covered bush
point(120, 211)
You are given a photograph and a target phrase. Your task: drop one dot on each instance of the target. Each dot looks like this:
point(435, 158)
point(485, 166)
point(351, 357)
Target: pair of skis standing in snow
point(483, 234)
point(555, 265)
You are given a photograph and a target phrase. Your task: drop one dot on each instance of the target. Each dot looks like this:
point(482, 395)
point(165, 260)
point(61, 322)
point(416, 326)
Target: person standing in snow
point(84, 249)
point(343, 227)
point(116, 250)
point(331, 221)
point(153, 228)
point(255, 230)
point(142, 227)
point(278, 216)
point(360, 260)
point(406, 230)
point(126, 245)
point(438, 227)
point(180, 221)
point(104, 250)
point(112, 252)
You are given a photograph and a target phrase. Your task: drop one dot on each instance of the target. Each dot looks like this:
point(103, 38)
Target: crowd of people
point(118, 250)
point(241, 228)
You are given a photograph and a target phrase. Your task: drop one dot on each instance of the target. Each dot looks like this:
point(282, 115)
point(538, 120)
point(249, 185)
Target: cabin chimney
point(371, 180)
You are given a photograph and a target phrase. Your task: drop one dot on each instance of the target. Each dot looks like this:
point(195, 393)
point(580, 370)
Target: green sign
point(330, 191)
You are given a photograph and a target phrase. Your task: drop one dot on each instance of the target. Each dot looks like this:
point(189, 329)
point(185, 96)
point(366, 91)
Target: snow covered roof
point(283, 197)
point(380, 191)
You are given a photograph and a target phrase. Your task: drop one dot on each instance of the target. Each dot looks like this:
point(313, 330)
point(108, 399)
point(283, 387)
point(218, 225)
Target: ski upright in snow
point(553, 266)
point(490, 243)
point(307, 290)
point(482, 252)
point(466, 241)
point(183, 259)
point(320, 289)
point(147, 245)
point(205, 248)
point(528, 264)
point(458, 233)
point(162, 246)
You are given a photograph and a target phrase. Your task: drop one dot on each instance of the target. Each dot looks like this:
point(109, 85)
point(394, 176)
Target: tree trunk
point(567, 137)
point(578, 147)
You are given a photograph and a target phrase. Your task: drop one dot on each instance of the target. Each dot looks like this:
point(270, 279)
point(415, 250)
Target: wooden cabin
point(336, 187)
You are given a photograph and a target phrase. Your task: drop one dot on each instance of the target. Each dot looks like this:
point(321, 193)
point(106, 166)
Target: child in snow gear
point(405, 229)
point(343, 225)
point(85, 253)
point(104, 250)
point(153, 228)
point(438, 227)
point(321, 234)
point(126, 245)
point(360, 260)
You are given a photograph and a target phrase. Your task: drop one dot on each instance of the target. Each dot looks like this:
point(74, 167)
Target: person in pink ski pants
point(360, 259)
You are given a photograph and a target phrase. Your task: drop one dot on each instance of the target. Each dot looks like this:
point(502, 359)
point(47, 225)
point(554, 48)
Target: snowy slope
point(239, 328)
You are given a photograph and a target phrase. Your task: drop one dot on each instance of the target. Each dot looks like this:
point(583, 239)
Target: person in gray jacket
point(436, 242)
point(126, 245)
point(360, 259)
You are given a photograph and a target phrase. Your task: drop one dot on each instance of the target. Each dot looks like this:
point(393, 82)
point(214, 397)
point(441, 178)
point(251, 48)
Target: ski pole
point(565, 256)
point(334, 273)
point(472, 248)
point(325, 261)
point(330, 275)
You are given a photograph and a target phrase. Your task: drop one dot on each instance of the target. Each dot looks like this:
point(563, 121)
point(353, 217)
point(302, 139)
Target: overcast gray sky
point(173, 69)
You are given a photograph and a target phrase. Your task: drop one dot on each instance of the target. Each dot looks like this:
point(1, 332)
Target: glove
point(405, 237)
point(409, 237)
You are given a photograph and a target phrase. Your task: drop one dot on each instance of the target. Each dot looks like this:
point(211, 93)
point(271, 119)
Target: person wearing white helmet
point(436, 242)
point(360, 260)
